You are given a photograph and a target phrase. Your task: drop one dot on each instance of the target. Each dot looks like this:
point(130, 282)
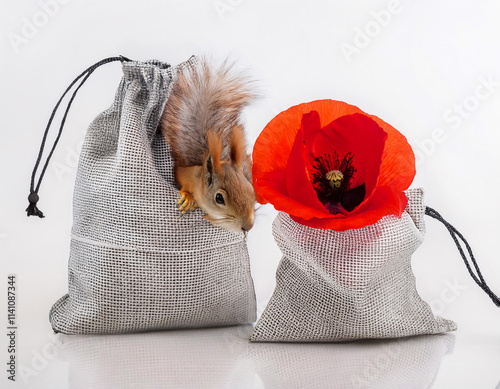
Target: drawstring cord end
point(32, 209)
point(478, 279)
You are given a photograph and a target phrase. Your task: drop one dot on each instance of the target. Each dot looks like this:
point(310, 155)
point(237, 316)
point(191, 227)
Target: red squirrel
point(201, 122)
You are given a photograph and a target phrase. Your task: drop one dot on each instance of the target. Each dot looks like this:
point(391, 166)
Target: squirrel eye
point(219, 199)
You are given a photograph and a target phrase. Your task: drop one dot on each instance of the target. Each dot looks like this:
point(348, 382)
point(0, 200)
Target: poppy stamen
point(331, 178)
point(329, 167)
point(335, 177)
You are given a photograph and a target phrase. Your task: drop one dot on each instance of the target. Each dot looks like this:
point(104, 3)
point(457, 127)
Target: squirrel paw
point(186, 203)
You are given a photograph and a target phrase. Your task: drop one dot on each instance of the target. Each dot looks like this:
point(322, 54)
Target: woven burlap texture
point(134, 264)
point(339, 286)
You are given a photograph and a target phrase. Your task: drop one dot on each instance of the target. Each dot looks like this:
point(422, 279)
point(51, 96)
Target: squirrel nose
point(247, 222)
point(245, 227)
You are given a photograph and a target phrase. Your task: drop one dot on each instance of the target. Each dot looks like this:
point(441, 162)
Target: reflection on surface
point(396, 363)
point(223, 358)
point(202, 358)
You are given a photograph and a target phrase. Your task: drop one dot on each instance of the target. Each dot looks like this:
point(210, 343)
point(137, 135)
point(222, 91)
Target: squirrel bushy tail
point(204, 97)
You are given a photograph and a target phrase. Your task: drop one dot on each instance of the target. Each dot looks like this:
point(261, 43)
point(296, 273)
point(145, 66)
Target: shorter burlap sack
point(134, 264)
point(355, 284)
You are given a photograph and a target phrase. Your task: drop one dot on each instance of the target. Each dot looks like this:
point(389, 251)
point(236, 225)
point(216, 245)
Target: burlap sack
point(338, 286)
point(134, 264)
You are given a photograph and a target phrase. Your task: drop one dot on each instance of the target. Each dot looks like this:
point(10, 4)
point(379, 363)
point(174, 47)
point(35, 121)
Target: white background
point(430, 68)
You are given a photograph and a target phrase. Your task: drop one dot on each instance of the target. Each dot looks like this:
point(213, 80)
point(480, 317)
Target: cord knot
point(32, 209)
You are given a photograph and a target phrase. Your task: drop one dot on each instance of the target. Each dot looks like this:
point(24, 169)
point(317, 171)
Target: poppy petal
point(275, 190)
point(297, 179)
point(398, 163)
point(385, 201)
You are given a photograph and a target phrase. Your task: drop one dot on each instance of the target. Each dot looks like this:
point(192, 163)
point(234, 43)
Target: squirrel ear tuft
point(237, 146)
point(209, 170)
point(214, 148)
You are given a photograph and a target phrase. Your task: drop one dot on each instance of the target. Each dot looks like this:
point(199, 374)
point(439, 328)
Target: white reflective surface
point(223, 358)
point(211, 358)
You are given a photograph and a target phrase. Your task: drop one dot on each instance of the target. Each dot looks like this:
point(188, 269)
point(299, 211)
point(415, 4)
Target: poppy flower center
point(331, 179)
point(335, 177)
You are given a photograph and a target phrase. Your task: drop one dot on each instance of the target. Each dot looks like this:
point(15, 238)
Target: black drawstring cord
point(454, 234)
point(33, 197)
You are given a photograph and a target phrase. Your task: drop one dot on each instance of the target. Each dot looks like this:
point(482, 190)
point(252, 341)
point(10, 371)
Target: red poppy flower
point(330, 165)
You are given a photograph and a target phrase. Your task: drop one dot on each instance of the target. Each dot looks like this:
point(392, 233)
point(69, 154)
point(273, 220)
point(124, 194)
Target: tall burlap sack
point(338, 286)
point(134, 264)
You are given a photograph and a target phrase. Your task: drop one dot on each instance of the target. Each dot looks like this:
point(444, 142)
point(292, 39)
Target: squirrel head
point(228, 197)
